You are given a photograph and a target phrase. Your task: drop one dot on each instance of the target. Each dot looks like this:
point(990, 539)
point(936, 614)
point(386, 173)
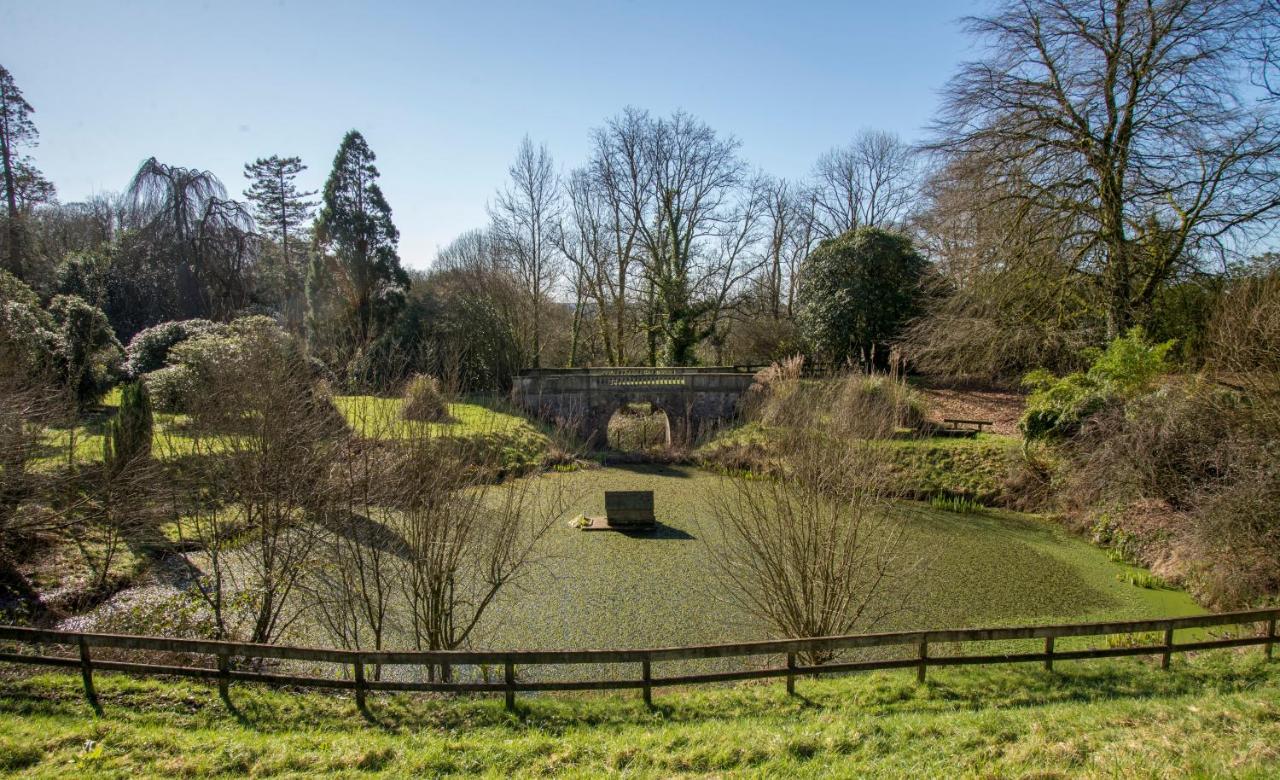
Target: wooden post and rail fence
point(792, 650)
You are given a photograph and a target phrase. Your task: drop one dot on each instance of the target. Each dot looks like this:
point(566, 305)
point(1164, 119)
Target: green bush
point(1058, 407)
point(171, 388)
point(857, 293)
point(423, 400)
point(149, 349)
point(218, 376)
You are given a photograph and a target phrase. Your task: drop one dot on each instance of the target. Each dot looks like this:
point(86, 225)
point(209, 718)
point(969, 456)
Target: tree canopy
point(858, 292)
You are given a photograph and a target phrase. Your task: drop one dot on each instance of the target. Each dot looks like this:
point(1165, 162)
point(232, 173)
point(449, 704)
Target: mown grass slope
point(1216, 716)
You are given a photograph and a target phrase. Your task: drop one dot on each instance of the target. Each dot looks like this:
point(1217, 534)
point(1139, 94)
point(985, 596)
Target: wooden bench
point(956, 422)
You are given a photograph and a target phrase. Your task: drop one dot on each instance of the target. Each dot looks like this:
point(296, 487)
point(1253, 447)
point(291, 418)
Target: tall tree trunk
point(15, 231)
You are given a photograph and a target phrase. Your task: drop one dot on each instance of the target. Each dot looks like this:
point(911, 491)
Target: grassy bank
point(977, 468)
point(1215, 716)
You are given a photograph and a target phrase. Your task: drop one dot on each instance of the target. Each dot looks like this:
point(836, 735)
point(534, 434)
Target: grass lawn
point(367, 415)
point(1214, 716)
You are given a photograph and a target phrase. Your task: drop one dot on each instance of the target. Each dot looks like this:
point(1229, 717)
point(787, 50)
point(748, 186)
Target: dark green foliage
point(279, 207)
point(87, 275)
point(93, 359)
point(1059, 406)
point(21, 184)
point(355, 285)
point(1181, 312)
point(149, 349)
point(30, 343)
point(128, 434)
point(858, 292)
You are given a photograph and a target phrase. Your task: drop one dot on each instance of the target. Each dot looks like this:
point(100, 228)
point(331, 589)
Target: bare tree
point(277, 438)
point(526, 218)
point(1267, 50)
point(816, 549)
point(467, 537)
point(871, 182)
point(1005, 295)
point(359, 557)
point(588, 240)
point(1129, 118)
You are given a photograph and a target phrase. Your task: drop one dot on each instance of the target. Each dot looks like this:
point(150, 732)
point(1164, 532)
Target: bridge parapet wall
point(693, 399)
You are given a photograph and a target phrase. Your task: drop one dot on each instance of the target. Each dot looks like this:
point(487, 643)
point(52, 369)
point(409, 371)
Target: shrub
point(171, 388)
point(217, 377)
point(1059, 407)
point(423, 400)
point(875, 407)
point(857, 293)
point(149, 349)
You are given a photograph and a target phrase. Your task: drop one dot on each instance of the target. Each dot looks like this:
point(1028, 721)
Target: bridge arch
point(583, 399)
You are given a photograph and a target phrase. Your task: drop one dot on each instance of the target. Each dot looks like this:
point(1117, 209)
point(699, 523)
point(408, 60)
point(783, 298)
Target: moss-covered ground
point(606, 589)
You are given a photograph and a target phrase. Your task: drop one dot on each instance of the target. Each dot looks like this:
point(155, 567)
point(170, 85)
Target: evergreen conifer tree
point(358, 280)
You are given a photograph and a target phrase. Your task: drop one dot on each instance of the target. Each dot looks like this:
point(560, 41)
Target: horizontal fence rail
point(357, 661)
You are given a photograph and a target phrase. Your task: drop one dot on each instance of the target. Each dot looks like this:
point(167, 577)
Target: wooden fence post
point(791, 674)
point(646, 674)
point(924, 660)
point(1271, 636)
point(509, 679)
point(224, 678)
point(358, 668)
point(1168, 649)
point(1048, 653)
point(86, 674)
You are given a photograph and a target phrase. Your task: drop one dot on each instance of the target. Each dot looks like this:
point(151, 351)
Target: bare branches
point(1127, 118)
point(871, 182)
point(817, 549)
point(526, 224)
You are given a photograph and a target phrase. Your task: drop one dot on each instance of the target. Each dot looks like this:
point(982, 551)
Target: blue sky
point(444, 91)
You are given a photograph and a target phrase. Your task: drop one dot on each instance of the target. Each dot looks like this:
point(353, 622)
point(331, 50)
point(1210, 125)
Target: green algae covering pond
point(613, 590)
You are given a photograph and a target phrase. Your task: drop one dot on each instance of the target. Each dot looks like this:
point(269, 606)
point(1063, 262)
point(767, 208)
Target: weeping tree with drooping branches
point(206, 240)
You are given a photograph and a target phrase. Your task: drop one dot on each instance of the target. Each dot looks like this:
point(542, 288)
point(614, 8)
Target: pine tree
point(356, 233)
point(128, 435)
point(22, 183)
point(281, 211)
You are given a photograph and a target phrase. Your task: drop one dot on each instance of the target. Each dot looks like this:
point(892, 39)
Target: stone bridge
point(695, 400)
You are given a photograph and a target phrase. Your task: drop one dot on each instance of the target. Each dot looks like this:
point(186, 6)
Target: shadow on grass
point(653, 469)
